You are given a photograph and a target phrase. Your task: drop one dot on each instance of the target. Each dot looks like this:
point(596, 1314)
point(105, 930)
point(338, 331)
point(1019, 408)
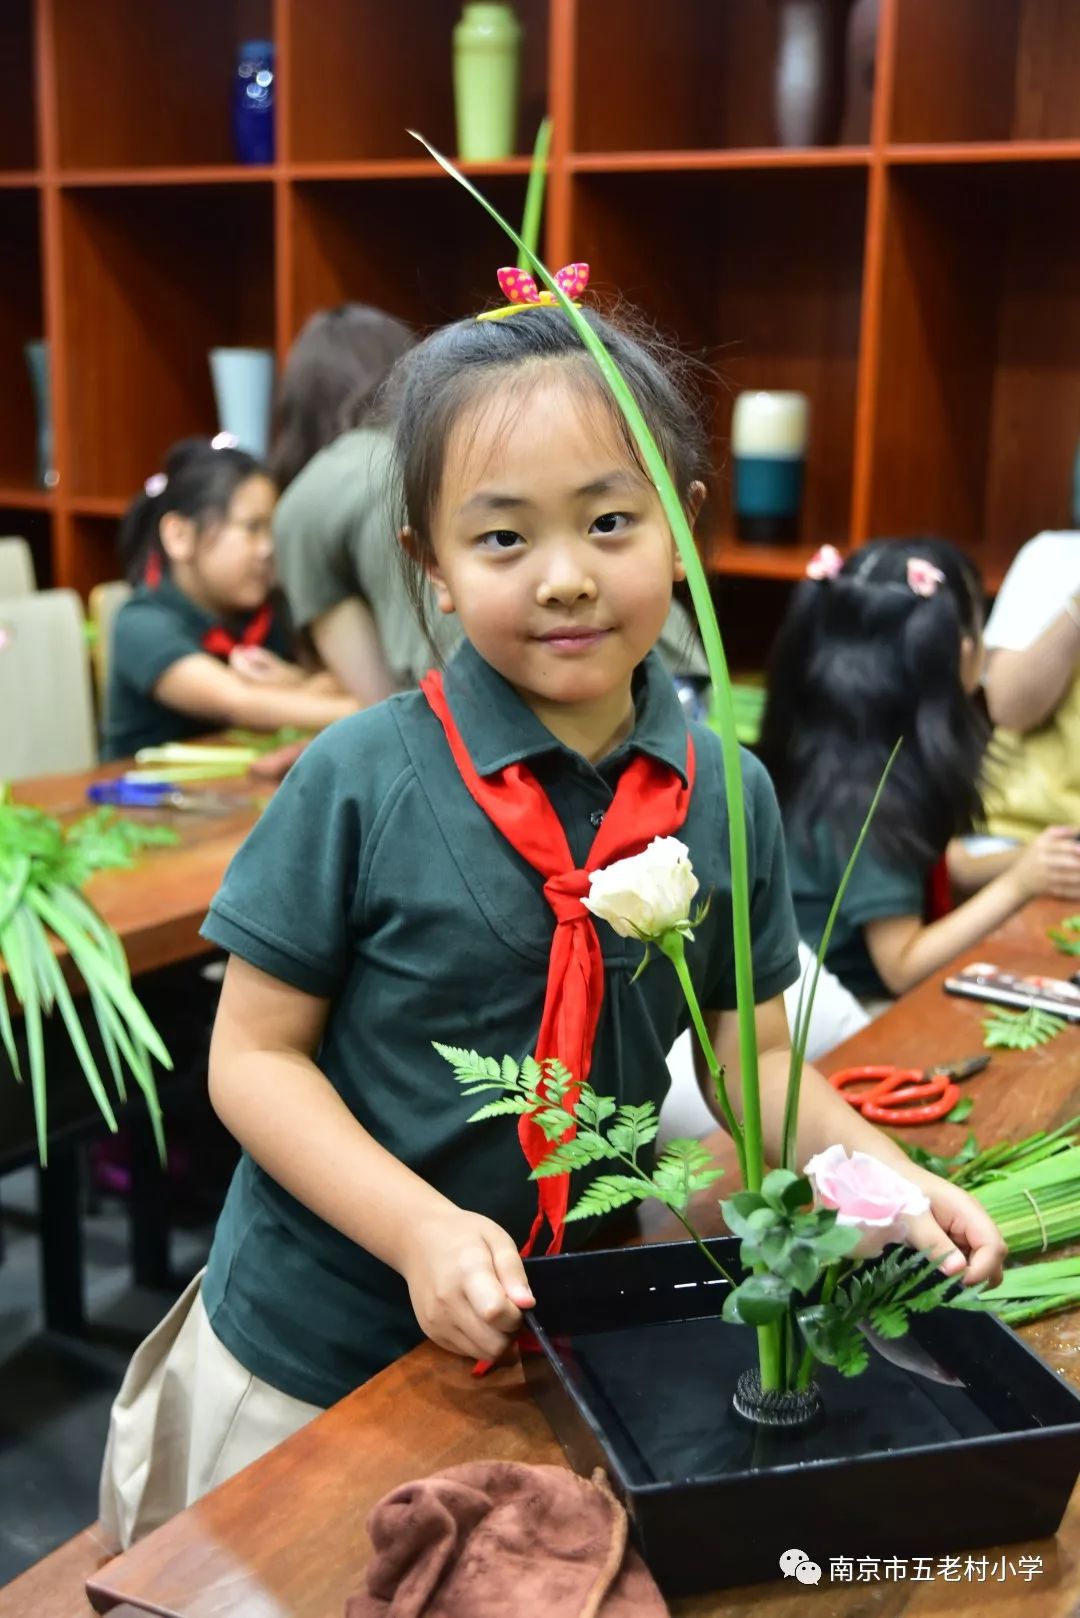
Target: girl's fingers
point(486, 1299)
point(925, 1235)
point(511, 1271)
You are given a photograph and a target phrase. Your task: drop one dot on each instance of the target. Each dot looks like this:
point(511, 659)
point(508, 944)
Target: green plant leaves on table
point(43, 865)
point(1020, 1030)
point(1066, 935)
point(962, 1111)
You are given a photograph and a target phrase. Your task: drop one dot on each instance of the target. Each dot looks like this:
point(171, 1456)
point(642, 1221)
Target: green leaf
point(593, 1110)
point(761, 1299)
point(13, 879)
point(534, 196)
point(49, 968)
point(634, 1127)
point(608, 1192)
point(800, 1266)
point(961, 1111)
point(1020, 1030)
point(505, 1107)
point(578, 1153)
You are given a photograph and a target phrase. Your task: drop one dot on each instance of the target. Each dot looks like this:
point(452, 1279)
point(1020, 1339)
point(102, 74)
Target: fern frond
point(608, 1192)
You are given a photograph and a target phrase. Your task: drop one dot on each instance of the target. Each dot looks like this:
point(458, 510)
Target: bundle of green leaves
point(43, 867)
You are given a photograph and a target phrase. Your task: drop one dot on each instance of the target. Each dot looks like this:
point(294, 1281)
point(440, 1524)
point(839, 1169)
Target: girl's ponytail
point(866, 655)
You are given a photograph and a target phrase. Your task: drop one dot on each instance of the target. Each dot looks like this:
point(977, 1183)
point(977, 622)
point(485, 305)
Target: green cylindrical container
point(487, 55)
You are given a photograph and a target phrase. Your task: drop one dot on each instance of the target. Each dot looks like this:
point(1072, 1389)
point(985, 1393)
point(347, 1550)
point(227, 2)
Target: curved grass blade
point(534, 196)
point(801, 1032)
point(50, 970)
point(12, 888)
point(98, 969)
point(18, 956)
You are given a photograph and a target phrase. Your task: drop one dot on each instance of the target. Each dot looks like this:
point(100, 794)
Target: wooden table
point(286, 1538)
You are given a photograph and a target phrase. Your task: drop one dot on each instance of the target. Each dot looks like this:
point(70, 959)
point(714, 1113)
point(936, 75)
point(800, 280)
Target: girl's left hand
point(959, 1231)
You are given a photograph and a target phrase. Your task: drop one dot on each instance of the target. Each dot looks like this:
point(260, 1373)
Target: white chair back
point(17, 576)
point(46, 702)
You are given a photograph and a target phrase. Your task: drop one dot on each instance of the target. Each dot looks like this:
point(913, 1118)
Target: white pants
point(836, 1016)
point(187, 1416)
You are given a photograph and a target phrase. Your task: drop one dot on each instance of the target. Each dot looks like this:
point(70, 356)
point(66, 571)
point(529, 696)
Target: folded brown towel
point(497, 1539)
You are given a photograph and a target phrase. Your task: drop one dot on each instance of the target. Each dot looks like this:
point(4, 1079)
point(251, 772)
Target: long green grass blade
point(805, 1011)
point(7, 1032)
point(12, 887)
point(97, 969)
point(50, 968)
point(769, 1340)
point(534, 196)
point(18, 954)
point(138, 1060)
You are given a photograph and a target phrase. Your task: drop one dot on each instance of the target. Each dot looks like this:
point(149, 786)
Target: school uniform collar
point(498, 729)
point(167, 593)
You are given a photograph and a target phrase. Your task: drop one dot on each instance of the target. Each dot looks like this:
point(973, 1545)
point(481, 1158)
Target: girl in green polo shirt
point(418, 877)
point(883, 644)
point(203, 643)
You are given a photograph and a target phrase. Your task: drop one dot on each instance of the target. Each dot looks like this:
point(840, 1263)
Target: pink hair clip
point(224, 441)
point(922, 576)
point(521, 291)
point(825, 563)
point(155, 484)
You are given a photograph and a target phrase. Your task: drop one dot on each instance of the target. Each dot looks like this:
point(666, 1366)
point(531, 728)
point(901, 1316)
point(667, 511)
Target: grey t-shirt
point(334, 533)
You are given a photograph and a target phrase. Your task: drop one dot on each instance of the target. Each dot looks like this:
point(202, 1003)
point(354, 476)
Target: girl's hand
point(1050, 865)
point(467, 1284)
point(958, 1231)
point(262, 667)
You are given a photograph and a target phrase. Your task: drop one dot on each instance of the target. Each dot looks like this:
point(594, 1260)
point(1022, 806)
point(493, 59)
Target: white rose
point(648, 894)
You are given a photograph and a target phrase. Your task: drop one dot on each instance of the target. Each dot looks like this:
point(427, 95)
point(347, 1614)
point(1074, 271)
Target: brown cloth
point(497, 1538)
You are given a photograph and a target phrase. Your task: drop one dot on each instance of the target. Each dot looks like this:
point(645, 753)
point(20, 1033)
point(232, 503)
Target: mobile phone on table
point(983, 981)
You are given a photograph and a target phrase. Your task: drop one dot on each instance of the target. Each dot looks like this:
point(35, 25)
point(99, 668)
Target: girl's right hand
point(467, 1284)
point(1050, 865)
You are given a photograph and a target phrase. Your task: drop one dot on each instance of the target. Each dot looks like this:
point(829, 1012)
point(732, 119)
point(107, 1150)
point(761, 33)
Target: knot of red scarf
point(651, 800)
point(219, 642)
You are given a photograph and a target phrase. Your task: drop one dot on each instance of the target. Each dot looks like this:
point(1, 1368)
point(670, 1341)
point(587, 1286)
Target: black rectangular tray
point(635, 1371)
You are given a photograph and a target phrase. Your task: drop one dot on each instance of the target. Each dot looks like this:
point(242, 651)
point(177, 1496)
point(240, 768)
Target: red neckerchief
point(219, 642)
point(650, 801)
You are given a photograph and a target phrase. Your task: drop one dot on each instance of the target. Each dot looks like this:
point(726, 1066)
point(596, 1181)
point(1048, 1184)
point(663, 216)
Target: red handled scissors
point(906, 1095)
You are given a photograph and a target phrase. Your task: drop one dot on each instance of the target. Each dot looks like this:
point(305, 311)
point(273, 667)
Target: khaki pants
point(187, 1416)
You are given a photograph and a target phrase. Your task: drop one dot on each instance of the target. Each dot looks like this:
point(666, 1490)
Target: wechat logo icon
point(798, 1565)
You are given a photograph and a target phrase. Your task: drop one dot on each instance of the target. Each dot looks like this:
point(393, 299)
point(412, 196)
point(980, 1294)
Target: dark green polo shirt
point(154, 630)
point(373, 880)
point(877, 890)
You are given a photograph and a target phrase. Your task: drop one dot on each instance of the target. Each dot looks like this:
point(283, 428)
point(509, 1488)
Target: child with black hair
point(203, 643)
point(883, 645)
point(410, 882)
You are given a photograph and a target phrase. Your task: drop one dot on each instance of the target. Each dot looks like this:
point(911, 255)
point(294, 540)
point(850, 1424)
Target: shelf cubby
point(977, 397)
point(419, 248)
point(141, 85)
point(686, 75)
point(21, 321)
point(986, 70)
point(36, 527)
point(776, 306)
point(363, 73)
point(18, 83)
point(153, 279)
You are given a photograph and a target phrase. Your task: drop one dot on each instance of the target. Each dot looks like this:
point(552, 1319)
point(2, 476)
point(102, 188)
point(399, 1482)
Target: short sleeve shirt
point(877, 890)
point(335, 536)
point(374, 881)
point(1044, 573)
point(154, 630)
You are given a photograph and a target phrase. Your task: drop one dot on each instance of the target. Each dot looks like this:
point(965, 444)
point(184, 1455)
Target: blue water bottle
point(253, 102)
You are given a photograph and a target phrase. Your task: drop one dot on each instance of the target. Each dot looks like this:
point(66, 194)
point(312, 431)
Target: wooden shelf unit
point(917, 279)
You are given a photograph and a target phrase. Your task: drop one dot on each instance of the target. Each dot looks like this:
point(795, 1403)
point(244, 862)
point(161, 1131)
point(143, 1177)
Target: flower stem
point(806, 1368)
point(770, 1340)
point(674, 947)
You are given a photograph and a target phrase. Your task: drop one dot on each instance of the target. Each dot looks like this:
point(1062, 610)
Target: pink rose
point(866, 1194)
